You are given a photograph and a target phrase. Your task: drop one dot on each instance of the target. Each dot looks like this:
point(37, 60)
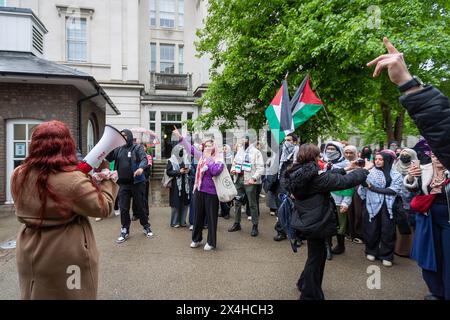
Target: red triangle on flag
point(308, 96)
point(277, 100)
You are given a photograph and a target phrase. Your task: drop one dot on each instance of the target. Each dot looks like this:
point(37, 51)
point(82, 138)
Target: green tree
point(254, 43)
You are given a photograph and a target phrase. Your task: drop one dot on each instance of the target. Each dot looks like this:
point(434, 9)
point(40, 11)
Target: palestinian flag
point(279, 114)
point(304, 104)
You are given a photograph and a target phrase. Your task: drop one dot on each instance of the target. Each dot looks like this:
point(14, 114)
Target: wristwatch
point(414, 82)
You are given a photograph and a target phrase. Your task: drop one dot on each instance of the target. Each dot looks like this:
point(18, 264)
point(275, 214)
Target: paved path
point(242, 267)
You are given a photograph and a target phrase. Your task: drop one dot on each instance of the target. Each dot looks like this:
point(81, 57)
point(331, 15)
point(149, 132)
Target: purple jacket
point(214, 168)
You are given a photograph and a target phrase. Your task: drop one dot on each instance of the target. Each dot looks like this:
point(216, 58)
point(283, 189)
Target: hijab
point(402, 165)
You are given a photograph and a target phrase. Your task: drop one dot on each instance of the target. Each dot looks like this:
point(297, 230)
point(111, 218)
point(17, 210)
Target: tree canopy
point(254, 43)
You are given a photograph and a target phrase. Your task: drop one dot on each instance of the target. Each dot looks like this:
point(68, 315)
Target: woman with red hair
point(56, 254)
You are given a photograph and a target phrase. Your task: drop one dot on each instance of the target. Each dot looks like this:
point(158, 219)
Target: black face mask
point(405, 158)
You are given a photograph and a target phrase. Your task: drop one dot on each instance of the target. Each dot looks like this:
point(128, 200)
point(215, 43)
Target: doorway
point(168, 121)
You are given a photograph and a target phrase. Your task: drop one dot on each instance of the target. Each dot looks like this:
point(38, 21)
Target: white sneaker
point(176, 226)
point(148, 232)
point(387, 263)
point(195, 244)
point(98, 219)
point(370, 257)
point(191, 228)
point(208, 247)
point(117, 213)
point(249, 218)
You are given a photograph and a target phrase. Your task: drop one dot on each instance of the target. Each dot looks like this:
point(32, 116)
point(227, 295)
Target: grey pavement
point(242, 267)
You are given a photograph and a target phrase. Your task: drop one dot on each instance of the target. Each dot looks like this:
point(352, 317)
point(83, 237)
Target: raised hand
point(176, 132)
point(394, 62)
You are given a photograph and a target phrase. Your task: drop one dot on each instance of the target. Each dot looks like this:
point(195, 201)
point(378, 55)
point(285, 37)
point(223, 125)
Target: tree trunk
point(399, 123)
point(387, 121)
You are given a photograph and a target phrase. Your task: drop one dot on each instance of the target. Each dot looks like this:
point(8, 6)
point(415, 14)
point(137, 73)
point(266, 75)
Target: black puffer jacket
point(313, 202)
point(430, 110)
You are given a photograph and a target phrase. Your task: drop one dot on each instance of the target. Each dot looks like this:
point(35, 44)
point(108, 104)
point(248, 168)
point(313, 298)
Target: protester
point(423, 151)
point(354, 212)
point(403, 244)
point(393, 145)
point(335, 159)
point(366, 154)
point(179, 198)
point(53, 201)
point(424, 103)
point(431, 247)
point(248, 165)
point(206, 201)
point(131, 161)
point(289, 150)
point(383, 184)
point(311, 189)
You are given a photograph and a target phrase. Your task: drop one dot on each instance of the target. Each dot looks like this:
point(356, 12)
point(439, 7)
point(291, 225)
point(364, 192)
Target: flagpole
point(324, 107)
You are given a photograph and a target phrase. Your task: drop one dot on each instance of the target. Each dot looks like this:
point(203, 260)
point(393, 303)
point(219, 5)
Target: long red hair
point(52, 150)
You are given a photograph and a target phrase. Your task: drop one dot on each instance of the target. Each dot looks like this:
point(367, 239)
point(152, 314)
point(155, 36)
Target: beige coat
point(257, 161)
point(59, 259)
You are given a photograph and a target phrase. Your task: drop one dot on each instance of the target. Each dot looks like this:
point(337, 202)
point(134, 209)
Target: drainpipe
point(80, 127)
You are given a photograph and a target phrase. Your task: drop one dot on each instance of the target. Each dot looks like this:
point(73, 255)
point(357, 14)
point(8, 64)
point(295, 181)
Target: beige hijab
point(353, 150)
point(404, 167)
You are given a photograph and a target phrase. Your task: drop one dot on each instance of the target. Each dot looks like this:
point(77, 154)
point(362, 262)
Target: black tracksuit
point(127, 160)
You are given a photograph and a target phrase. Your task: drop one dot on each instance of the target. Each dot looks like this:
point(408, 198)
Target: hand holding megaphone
point(111, 139)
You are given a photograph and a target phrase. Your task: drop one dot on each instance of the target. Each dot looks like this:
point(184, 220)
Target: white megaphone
point(111, 139)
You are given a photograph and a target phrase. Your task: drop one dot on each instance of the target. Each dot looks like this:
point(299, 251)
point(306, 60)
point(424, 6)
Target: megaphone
point(111, 139)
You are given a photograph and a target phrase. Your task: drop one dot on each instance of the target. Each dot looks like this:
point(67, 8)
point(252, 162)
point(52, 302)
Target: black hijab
point(389, 160)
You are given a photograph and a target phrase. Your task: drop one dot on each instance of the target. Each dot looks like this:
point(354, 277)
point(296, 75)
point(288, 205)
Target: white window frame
point(154, 57)
point(180, 58)
point(10, 150)
point(76, 41)
point(153, 12)
point(180, 14)
point(90, 137)
point(65, 12)
point(161, 13)
point(161, 60)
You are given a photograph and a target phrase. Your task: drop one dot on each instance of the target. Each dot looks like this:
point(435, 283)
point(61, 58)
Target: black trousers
point(310, 282)
point(146, 192)
point(379, 234)
point(205, 205)
point(135, 191)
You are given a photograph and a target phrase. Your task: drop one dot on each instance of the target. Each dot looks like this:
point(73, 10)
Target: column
point(116, 39)
point(133, 40)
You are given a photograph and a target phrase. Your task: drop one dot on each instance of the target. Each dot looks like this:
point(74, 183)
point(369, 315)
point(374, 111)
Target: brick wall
point(41, 102)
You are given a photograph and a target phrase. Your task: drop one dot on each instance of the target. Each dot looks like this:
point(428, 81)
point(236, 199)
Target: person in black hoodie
point(426, 105)
point(130, 163)
point(311, 189)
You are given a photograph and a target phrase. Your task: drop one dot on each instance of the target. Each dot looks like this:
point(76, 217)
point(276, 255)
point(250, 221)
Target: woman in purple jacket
point(205, 195)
